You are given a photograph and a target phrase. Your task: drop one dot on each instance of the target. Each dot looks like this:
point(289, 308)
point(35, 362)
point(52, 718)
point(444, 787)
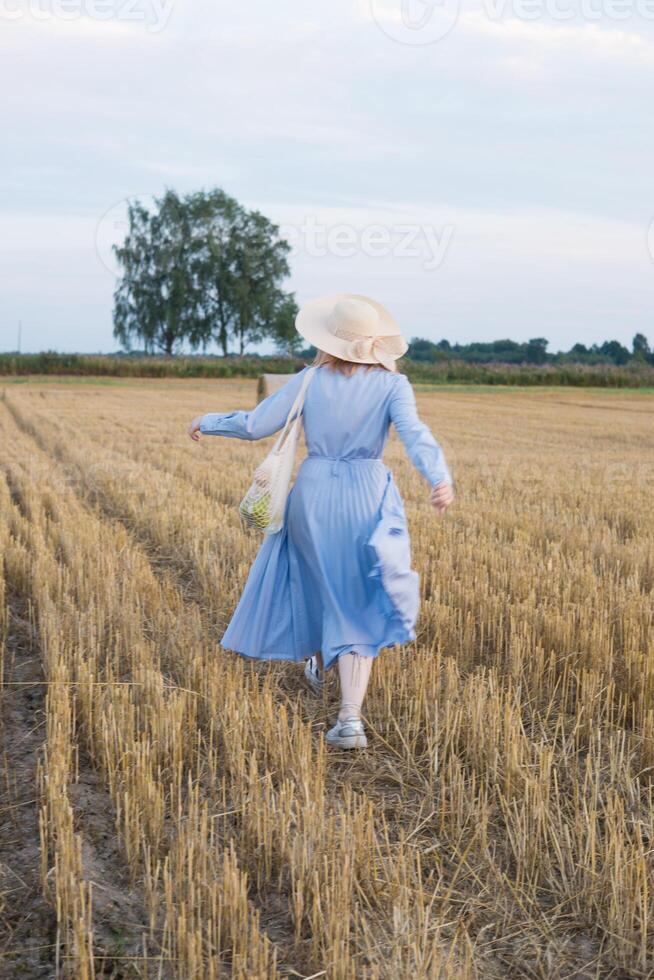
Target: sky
point(484, 169)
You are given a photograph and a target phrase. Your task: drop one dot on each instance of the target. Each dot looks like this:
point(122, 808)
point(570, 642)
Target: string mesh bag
point(263, 506)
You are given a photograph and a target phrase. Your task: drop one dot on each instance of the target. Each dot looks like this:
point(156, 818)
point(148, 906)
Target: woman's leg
point(321, 666)
point(354, 674)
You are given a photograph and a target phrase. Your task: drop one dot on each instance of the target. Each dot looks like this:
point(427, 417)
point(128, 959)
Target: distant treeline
point(637, 373)
point(532, 352)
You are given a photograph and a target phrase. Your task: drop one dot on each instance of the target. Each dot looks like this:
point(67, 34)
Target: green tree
point(157, 300)
point(425, 350)
point(615, 351)
point(536, 350)
point(240, 263)
point(202, 268)
point(260, 267)
point(287, 339)
point(640, 348)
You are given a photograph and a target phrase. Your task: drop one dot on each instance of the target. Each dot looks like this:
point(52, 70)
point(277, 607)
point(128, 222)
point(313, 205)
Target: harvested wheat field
point(171, 809)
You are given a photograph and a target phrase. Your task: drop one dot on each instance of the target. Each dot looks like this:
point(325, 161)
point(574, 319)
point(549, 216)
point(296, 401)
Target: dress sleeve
point(421, 447)
point(268, 417)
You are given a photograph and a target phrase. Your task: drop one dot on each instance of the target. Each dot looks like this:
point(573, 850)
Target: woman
point(335, 585)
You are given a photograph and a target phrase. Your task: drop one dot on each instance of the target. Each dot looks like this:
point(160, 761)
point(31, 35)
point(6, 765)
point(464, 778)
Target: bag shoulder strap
point(297, 406)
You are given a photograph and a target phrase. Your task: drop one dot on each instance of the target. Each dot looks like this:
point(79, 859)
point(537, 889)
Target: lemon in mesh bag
point(264, 505)
point(255, 508)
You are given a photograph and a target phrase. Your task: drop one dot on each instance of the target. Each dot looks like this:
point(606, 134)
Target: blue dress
point(338, 576)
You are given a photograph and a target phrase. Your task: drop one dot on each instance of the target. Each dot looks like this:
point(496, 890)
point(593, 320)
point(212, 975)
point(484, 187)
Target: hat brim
point(312, 324)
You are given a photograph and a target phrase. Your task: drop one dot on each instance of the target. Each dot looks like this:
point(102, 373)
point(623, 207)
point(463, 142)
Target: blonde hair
point(338, 364)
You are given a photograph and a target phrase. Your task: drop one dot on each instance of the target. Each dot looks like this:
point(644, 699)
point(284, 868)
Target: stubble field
point(171, 809)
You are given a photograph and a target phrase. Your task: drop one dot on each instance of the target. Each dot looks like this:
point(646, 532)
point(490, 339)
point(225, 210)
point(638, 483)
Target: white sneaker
point(314, 676)
point(348, 734)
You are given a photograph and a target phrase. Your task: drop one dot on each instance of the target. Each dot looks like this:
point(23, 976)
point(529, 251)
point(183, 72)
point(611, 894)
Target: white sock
point(354, 674)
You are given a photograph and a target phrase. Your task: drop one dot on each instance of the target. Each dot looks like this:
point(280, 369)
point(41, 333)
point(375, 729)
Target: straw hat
point(354, 328)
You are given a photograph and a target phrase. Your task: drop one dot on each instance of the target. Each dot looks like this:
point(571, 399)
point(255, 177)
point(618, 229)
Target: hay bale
point(270, 383)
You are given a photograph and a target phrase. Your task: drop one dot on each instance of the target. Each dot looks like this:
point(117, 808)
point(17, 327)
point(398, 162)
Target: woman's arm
point(423, 450)
point(268, 417)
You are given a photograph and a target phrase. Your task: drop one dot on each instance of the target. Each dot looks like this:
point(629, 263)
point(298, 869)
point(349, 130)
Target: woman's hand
point(441, 496)
point(194, 429)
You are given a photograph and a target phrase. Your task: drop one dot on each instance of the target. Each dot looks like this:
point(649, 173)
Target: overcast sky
point(486, 169)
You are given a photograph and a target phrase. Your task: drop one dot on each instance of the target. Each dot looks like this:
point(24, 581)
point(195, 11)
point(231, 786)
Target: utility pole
point(20, 331)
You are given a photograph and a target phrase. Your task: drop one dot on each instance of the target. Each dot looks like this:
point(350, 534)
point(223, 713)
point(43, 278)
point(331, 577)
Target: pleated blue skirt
point(337, 577)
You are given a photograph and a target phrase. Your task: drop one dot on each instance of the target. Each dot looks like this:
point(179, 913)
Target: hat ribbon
point(385, 350)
